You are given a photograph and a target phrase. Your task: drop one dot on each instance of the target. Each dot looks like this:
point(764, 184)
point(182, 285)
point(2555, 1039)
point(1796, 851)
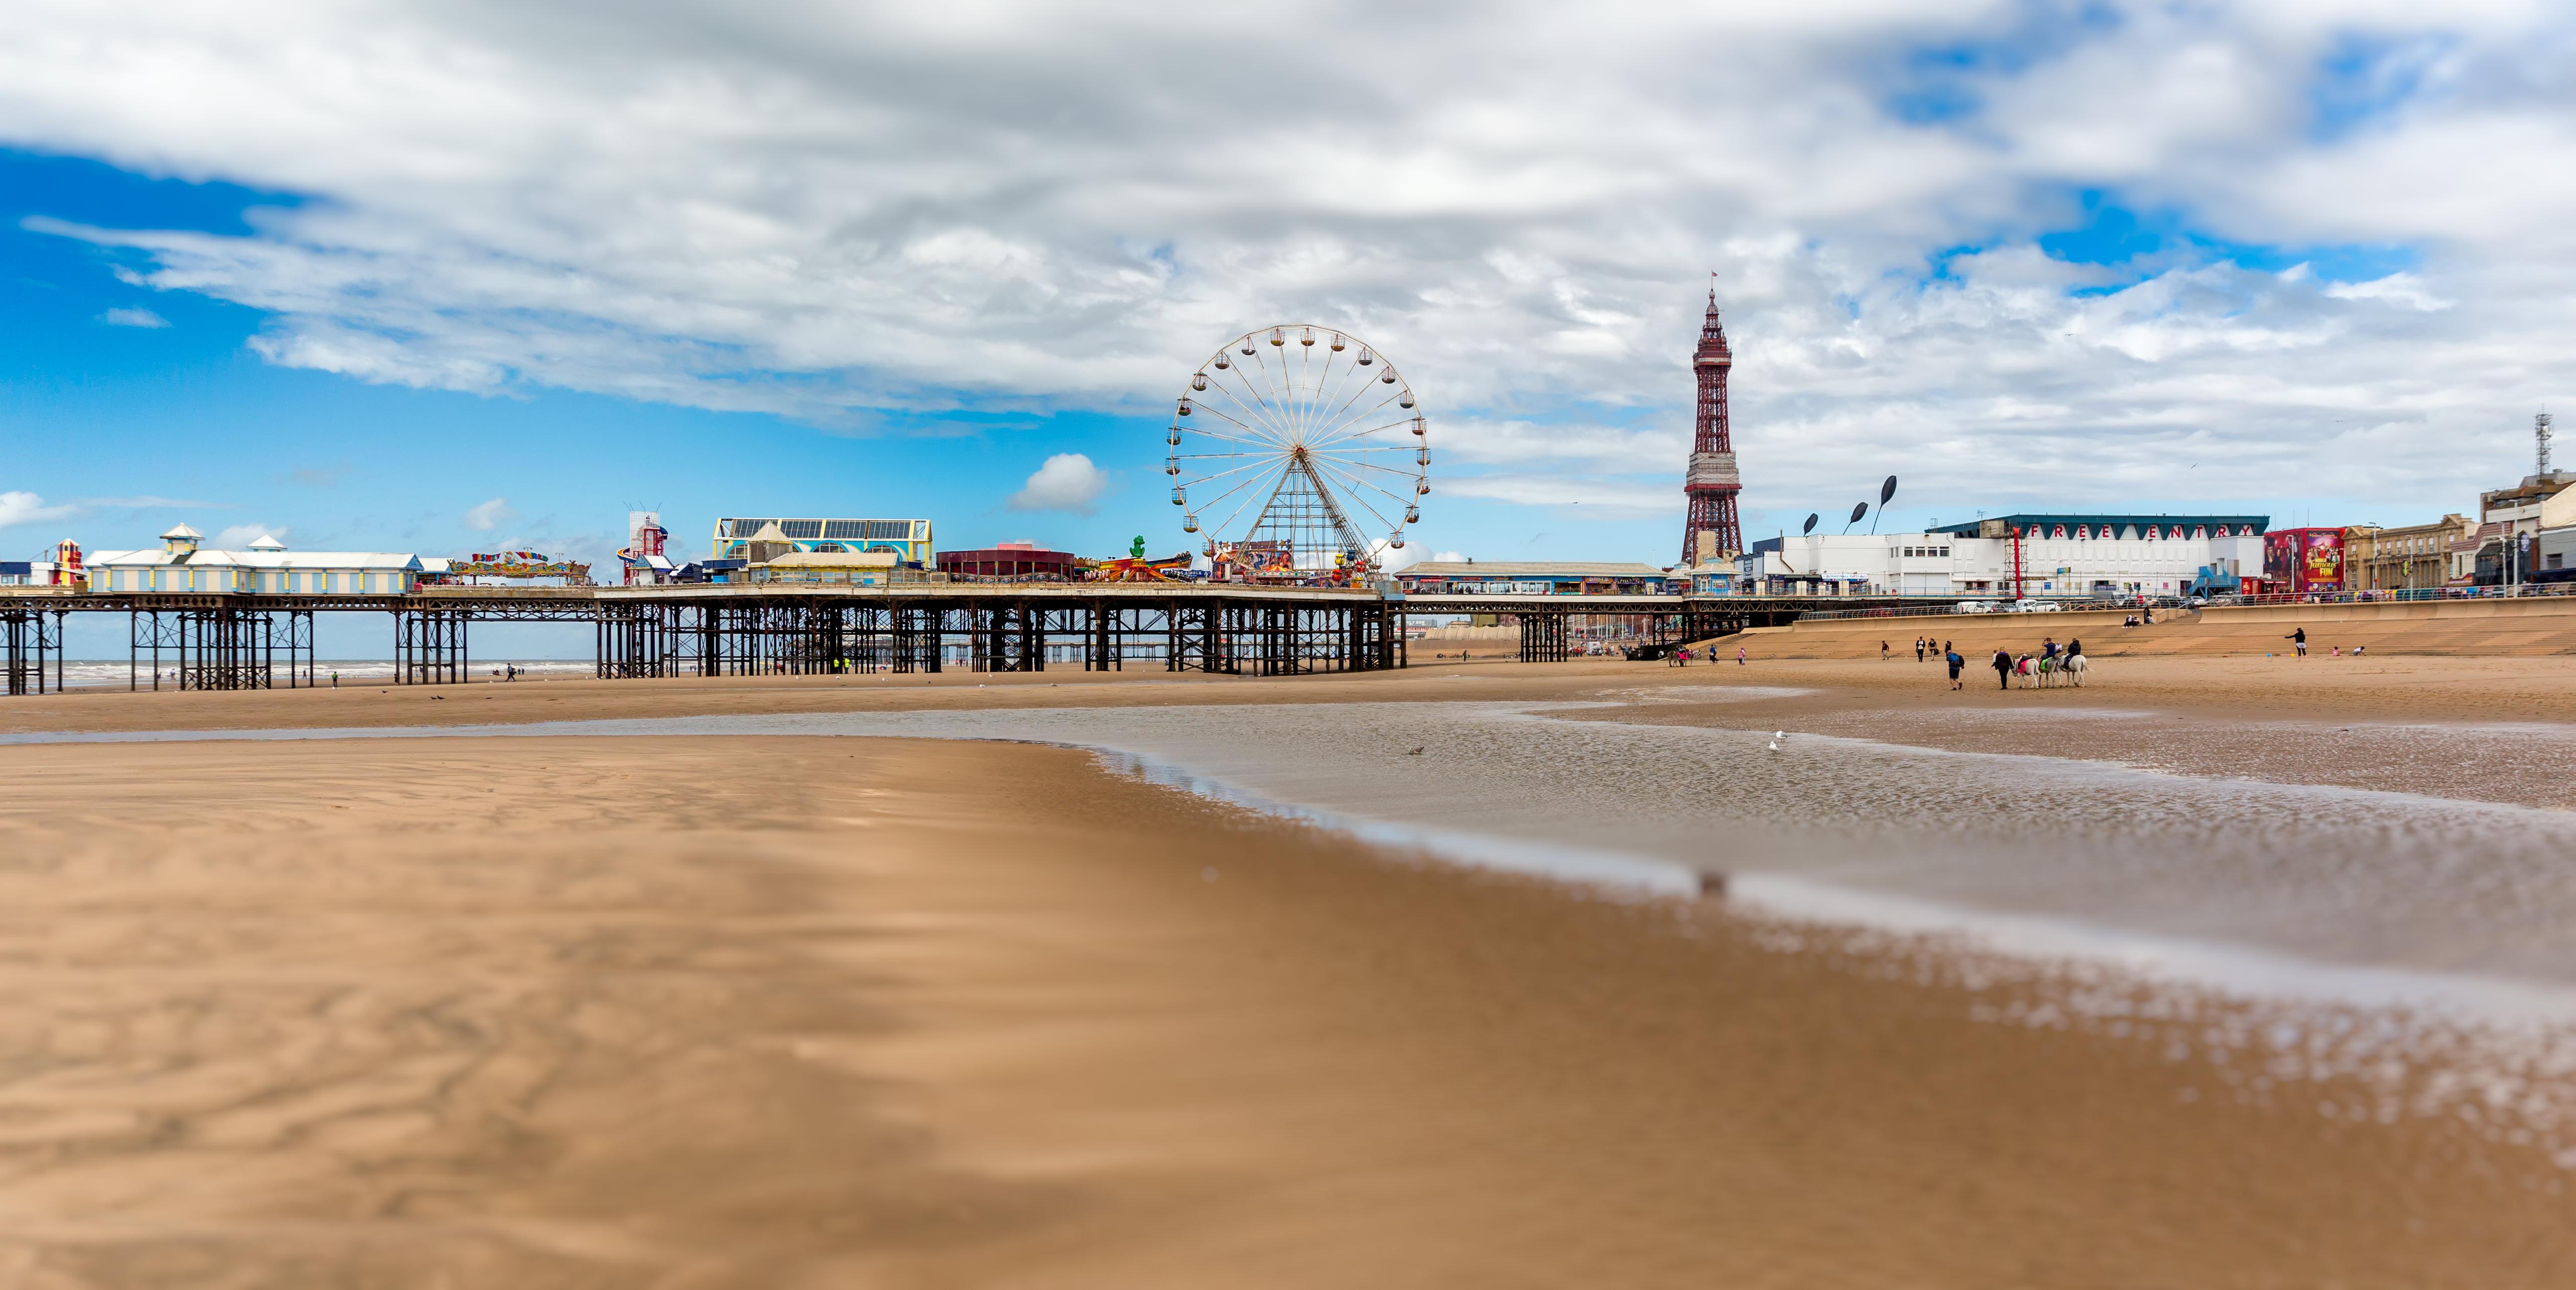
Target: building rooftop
point(256, 558)
point(2234, 523)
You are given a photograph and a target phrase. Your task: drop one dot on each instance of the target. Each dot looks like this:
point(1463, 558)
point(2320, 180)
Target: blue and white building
point(265, 567)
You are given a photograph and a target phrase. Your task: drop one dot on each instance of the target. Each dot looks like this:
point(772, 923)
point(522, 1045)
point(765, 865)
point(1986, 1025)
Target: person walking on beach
point(1956, 663)
point(1882, 651)
point(2003, 668)
point(1739, 656)
point(2299, 640)
point(1918, 649)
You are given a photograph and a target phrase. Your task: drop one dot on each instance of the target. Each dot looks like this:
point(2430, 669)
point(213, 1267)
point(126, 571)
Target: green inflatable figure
point(1136, 549)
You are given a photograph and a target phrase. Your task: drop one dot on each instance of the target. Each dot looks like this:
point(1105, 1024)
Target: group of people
point(1682, 657)
point(2299, 642)
point(2052, 662)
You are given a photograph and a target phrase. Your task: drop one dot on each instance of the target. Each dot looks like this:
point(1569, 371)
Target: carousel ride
point(1290, 448)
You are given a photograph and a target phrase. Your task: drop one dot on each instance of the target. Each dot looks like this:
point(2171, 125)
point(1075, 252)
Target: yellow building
point(2411, 557)
point(835, 568)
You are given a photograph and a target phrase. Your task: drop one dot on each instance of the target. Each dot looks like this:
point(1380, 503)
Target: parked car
point(2026, 605)
point(1973, 607)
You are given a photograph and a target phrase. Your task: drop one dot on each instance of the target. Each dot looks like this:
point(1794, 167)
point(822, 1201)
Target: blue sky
point(450, 267)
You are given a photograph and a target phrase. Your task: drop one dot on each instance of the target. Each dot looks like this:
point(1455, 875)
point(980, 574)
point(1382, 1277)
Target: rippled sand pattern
point(777, 1012)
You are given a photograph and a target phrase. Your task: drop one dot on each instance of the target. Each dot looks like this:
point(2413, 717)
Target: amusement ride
point(1288, 440)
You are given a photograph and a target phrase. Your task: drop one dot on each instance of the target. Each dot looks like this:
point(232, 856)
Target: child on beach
point(1951, 657)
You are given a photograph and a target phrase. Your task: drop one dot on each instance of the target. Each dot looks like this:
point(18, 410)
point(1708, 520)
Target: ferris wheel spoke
point(1364, 504)
point(1344, 468)
point(1202, 432)
point(1355, 424)
point(1286, 392)
point(1273, 435)
point(1368, 449)
point(1288, 428)
point(1361, 442)
point(1342, 423)
point(1262, 408)
point(1261, 463)
point(1262, 418)
point(1364, 464)
point(1304, 386)
point(1340, 412)
point(1263, 493)
point(1349, 369)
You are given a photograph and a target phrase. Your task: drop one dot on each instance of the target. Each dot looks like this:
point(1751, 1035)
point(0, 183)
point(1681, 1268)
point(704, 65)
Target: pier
point(196, 641)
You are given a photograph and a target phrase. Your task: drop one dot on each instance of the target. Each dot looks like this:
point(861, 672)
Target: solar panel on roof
point(843, 528)
point(889, 530)
point(801, 530)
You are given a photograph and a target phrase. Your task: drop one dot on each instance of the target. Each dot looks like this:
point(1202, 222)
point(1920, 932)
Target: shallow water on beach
point(2337, 875)
point(2369, 897)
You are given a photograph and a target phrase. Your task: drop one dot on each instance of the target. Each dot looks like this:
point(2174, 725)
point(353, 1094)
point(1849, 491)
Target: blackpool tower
point(1712, 531)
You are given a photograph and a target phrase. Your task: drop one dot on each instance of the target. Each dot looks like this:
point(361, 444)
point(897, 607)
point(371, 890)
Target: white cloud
point(27, 508)
point(487, 516)
point(2397, 289)
point(133, 318)
point(1393, 560)
point(234, 537)
point(1611, 497)
point(1066, 482)
point(826, 211)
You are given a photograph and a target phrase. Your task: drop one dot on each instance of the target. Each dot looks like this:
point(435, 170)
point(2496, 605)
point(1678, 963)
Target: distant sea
point(113, 672)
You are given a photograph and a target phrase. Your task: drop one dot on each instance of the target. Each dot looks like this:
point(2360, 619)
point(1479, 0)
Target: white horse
point(2074, 669)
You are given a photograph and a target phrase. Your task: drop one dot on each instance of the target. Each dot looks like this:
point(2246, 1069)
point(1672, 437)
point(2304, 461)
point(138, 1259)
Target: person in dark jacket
point(2003, 666)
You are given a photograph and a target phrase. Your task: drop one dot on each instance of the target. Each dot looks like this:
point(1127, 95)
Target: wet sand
point(769, 1011)
point(789, 1011)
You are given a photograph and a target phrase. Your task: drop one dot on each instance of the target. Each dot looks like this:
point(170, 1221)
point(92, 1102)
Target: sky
point(465, 276)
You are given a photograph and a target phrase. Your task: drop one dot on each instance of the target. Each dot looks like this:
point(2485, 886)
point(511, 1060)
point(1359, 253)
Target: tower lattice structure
point(1712, 483)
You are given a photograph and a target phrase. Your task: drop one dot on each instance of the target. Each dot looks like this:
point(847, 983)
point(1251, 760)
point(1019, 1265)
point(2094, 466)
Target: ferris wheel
point(1290, 443)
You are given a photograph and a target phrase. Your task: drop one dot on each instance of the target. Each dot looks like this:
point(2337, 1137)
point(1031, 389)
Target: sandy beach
point(787, 1011)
